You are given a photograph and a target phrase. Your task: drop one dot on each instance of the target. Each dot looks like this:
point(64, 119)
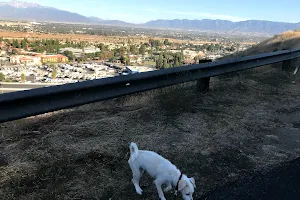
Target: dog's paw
point(139, 191)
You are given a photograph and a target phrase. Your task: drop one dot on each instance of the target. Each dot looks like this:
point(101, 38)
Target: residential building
point(20, 59)
point(2, 45)
point(27, 60)
point(136, 59)
point(54, 59)
point(38, 59)
point(3, 53)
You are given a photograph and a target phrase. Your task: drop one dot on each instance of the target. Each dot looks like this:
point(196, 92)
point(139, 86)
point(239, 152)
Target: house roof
point(25, 58)
point(54, 56)
point(39, 55)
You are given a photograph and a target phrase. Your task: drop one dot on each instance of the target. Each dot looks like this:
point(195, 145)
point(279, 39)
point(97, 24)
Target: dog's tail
point(134, 151)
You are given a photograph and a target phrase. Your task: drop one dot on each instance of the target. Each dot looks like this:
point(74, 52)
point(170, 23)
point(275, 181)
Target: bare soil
point(248, 122)
point(93, 38)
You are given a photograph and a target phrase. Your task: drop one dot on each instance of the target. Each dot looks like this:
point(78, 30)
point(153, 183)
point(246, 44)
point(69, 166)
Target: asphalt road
point(281, 183)
point(23, 85)
point(13, 87)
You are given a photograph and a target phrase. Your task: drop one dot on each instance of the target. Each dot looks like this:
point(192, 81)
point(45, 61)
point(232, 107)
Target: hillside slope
point(285, 41)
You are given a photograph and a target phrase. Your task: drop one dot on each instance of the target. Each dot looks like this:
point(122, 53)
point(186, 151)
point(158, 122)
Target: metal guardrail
point(23, 104)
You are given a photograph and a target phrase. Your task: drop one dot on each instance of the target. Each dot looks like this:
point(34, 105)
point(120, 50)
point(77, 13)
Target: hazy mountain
point(258, 26)
point(31, 11)
point(115, 22)
point(95, 19)
point(20, 4)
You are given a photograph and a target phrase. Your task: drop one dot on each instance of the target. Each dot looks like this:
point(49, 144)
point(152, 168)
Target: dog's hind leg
point(142, 171)
point(158, 184)
point(168, 188)
point(136, 175)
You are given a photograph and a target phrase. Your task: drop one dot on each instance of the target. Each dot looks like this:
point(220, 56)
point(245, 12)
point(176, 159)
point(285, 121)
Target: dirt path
point(281, 183)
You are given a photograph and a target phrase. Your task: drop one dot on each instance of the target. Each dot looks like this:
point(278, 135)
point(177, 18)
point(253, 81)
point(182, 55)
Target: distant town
point(32, 52)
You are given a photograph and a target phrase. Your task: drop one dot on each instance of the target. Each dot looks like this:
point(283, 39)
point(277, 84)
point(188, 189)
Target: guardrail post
point(203, 83)
point(289, 65)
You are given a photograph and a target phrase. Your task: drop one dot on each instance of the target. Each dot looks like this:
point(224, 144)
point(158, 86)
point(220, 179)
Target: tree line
point(168, 59)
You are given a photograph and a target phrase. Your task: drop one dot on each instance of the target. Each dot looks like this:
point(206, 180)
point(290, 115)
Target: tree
point(2, 77)
point(101, 46)
point(125, 60)
point(16, 44)
point(154, 43)
point(150, 51)
point(90, 55)
point(165, 63)
point(120, 51)
point(69, 54)
point(210, 48)
point(159, 62)
point(133, 49)
point(54, 73)
point(197, 58)
point(142, 49)
point(24, 44)
point(166, 42)
point(101, 56)
point(23, 78)
point(176, 63)
point(15, 52)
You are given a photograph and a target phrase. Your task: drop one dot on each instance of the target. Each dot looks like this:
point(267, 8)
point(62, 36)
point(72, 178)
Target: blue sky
point(138, 11)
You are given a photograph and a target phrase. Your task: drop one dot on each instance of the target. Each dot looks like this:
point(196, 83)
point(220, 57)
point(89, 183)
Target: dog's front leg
point(158, 184)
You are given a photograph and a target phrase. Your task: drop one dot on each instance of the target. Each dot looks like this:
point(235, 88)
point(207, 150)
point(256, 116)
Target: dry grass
point(246, 123)
point(93, 38)
point(285, 41)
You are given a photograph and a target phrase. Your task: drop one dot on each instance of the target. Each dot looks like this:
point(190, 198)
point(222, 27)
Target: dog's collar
point(177, 185)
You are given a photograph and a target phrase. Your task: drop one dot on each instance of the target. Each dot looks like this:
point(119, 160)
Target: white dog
point(162, 170)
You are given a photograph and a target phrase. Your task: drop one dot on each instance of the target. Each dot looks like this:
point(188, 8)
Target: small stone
point(281, 155)
point(205, 152)
point(269, 149)
point(273, 137)
point(232, 175)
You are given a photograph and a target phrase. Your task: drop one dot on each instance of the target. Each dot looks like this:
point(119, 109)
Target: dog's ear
point(192, 180)
point(182, 184)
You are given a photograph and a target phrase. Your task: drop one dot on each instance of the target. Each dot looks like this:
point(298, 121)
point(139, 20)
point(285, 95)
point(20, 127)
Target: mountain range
point(19, 10)
point(258, 26)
